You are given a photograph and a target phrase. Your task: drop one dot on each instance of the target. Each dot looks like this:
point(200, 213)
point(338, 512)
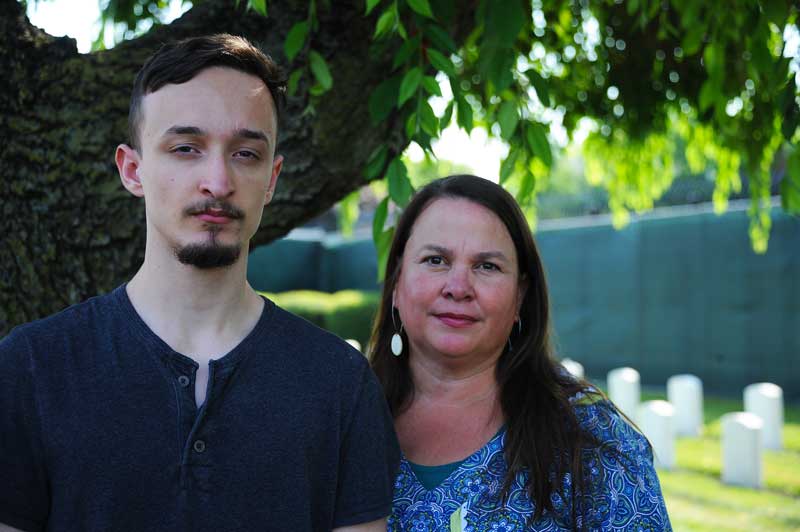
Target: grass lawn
point(698, 501)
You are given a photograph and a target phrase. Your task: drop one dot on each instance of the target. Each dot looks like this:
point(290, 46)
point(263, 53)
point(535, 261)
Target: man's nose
point(218, 179)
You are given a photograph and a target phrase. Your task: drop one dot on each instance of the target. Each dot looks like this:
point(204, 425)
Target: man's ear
point(277, 164)
point(128, 161)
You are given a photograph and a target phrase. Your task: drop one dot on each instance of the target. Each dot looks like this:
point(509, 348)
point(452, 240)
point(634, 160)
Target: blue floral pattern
point(624, 492)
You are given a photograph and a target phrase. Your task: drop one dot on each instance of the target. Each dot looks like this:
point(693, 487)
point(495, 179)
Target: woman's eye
point(434, 260)
point(489, 266)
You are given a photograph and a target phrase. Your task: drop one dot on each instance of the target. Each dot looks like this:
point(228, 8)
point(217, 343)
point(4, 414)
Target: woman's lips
point(456, 320)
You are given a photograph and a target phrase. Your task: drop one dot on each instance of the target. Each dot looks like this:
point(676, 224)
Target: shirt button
point(199, 446)
point(183, 380)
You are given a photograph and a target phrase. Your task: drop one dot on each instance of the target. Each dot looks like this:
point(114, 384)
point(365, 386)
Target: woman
point(495, 434)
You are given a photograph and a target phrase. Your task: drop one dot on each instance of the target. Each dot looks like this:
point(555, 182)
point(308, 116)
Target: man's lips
point(455, 320)
point(215, 217)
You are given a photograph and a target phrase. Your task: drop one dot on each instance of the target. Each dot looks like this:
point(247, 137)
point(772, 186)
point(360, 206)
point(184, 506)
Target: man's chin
point(208, 256)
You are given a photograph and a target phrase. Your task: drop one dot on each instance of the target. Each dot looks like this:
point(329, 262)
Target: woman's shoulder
point(598, 416)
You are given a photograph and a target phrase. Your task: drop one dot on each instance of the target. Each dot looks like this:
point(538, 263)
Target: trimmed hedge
point(347, 313)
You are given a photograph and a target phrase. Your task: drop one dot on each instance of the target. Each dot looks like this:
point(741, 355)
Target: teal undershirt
point(432, 476)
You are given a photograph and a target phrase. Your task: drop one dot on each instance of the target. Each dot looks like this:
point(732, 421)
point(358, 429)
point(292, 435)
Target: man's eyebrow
point(185, 130)
point(194, 131)
point(251, 134)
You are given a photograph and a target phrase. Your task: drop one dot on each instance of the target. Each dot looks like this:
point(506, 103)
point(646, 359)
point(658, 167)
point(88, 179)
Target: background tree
point(649, 76)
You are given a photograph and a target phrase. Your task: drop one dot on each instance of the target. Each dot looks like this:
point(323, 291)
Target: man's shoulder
point(76, 321)
point(309, 341)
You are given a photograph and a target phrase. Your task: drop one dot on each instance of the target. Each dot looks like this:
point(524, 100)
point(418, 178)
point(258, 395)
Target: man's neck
point(200, 313)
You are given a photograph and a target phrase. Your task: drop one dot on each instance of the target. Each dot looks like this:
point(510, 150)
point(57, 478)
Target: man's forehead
point(216, 96)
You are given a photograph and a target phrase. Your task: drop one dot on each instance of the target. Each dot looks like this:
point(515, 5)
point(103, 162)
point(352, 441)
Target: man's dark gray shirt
point(99, 428)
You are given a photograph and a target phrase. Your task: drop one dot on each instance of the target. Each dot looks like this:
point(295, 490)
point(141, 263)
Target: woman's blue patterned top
point(623, 490)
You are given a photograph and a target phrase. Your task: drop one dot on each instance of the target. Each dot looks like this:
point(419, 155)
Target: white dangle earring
point(397, 340)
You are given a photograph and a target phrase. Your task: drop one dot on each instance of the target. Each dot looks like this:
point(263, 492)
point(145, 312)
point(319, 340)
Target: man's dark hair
point(180, 61)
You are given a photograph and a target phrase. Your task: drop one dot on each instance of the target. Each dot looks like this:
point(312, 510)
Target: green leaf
point(440, 62)
point(496, 65)
point(295, 39)
point(259, 6)
point(401, 30)
point(400, 188)
point(507, 167)
point(714, 61)
point(504, 21)
point(348, 213)
point(294, 79)
point(693, 39)
point(376, 162)
point(508, 117)
point(708, 93)
point(317, 90)
point(421, 6)
point(791, 119)
point(538, 143)
point(464, 116)
point(790, 184)
point(320, 70)
point(440, 38)
point(384, 24)
point(411, 125)
point(379, 218)
point(382, 245)
point(371, 4)
point(540, 85)
point(526, 188)
point(776, 11)
point(428, 120)
point(409, 85)
point(431, 85)
point(448, 114)
point(383, 98)
point(405, 51)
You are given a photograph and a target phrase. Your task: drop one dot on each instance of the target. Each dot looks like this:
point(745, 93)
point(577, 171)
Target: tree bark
point(69, 229)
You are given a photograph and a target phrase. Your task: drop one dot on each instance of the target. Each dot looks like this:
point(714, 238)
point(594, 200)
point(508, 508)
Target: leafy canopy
point(646, 77)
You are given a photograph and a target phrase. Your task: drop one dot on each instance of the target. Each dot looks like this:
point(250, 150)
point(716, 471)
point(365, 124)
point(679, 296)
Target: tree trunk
point(69, 229)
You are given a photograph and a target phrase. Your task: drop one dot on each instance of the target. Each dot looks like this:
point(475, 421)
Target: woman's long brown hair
point(543, 436)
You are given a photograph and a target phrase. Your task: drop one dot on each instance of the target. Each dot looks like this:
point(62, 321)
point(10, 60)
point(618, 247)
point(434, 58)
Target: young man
point(183, 400)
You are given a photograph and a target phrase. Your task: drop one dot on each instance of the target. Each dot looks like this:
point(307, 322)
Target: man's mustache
point(214, 207)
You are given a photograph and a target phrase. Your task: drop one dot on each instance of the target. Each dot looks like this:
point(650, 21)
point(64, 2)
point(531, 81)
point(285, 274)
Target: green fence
point(676, 291)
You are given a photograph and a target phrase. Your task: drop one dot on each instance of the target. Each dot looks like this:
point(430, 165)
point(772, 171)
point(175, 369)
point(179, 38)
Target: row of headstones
point(744, 434)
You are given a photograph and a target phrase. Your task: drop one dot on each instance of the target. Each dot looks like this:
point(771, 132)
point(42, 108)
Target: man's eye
point(489, 266)
point(247, 154)
point(183, 149)
point(434, 260)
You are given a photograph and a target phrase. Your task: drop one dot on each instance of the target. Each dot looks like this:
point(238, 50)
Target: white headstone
point(355, 343)
point(741, 449)
point(655, 418)
point(575, 368)
point(685, 392)
point(765, 400)
point(624, 390)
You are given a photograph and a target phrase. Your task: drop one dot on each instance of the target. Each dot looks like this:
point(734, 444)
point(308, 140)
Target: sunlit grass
point(696, 498)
